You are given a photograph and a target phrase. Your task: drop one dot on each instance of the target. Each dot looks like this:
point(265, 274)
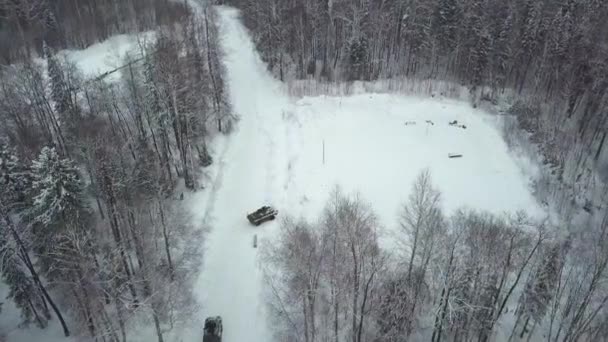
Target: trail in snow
point(230, 282)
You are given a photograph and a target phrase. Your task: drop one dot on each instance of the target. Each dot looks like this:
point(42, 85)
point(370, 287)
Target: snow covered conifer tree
point(14, 177)
point(22, 289)
point(501, 51)
point(64, 81)
point(446, 21)
point(57, 191)
point(57, 209)
point(58, 91)
point(357, 58)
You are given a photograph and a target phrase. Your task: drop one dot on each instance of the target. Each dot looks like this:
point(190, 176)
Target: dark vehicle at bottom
point(213, 329)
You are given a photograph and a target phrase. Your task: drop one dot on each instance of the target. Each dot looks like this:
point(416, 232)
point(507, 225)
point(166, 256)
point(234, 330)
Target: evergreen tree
point(57, 191)
point(560, 36)
point(59, 91)
point(14, 178)
point(446, 24)
point(530, 28)
point(479, 58)
point(63, 78)
point(501, 50)
point(357, 58)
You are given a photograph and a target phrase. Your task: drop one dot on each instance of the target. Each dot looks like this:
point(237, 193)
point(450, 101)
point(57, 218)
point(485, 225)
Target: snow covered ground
point(230, 282)
point(291, 152)
point(276, 157)
point(109, 54)
point(377, 144)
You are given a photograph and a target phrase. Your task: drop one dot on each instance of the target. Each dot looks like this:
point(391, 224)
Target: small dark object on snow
point(588, 207)
point(265, 213)
point(454, 155)
point(455, 123)
point(181, 197)
point(430, 122)
point(212, 331)
point(407, 123)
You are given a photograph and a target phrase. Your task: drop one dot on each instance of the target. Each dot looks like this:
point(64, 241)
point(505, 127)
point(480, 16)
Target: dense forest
point(469, 276)
point(92, 231)
point(27, 25)
point(549, 57)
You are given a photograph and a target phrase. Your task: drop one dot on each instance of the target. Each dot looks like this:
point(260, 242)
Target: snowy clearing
point(107, 55)
point(376, 144)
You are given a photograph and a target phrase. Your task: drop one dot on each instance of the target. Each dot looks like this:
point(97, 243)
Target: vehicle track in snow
point(252, 174)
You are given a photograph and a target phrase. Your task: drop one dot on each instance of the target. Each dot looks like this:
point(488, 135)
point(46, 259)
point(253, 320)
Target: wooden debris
point(455, 124)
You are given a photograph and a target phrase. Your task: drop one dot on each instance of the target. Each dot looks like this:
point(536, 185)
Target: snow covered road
point(230, 283)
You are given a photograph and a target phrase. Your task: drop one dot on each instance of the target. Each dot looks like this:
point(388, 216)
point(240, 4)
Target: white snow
point(369, 148)
point(10, 319)
point(275, 156)
point(230, 283)
point(109, 54)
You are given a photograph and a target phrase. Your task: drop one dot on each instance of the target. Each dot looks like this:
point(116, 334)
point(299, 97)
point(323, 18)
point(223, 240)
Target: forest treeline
point(469, 276)
point(549, 56)
point(92, 233)
point(27, 25)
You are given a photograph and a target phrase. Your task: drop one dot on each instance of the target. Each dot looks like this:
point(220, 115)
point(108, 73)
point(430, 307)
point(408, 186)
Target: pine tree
point(560, 36)
point(479, 58)
point(57, 191)
point(501, 51)
point(357, 58)
point(14, 178)
point(63, 77)
point(59, 93)
point(446, 22)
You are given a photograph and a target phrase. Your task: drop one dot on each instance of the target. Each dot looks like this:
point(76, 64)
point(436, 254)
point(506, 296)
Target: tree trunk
point(216, 92)
point(166, 239)
point(120, 245)
point(41, 324)
point(355, 294)
point(28, 263)
point(121, 320)
point(159, 332)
